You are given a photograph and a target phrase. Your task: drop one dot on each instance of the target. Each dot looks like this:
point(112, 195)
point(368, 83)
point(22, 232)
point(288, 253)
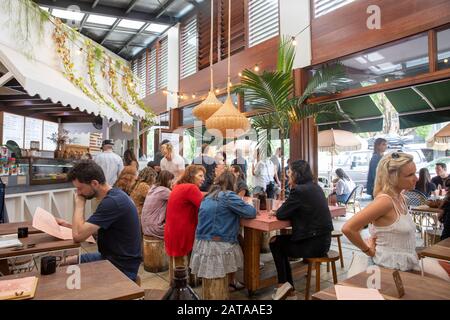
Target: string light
point(217, 90)
point(240, 74)
point(294, 41)
point(445, 60)
point(256, 68)
point(193, 96)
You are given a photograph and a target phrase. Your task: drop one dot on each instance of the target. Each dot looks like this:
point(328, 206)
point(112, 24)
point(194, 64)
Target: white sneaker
point(282, 291)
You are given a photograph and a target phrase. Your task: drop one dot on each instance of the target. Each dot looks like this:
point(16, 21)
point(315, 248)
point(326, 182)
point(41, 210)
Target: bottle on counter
point(12, 167)
point(180, 290)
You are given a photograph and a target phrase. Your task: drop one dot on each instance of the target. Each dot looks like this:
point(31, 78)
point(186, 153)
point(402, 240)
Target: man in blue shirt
point(115, 220)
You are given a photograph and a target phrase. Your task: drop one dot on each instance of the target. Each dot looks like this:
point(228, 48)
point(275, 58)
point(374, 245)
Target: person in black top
point(441, 175)
point(115, 219)
point(307, 208)
point(424, 183)
point(209, 164)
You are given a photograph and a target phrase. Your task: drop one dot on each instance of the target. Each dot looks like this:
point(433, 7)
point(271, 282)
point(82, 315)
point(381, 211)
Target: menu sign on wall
point(13, 128)
point(50, 129)
point(33, 131)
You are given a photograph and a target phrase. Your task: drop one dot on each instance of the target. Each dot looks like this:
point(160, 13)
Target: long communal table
point(10, 228)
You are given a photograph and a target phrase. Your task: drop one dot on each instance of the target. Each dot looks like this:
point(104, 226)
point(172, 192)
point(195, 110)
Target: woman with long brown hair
point(216, 250)
point(145, 180)
point(424, 183)
point(129, 159)
point(153, 216)
point(182, 214)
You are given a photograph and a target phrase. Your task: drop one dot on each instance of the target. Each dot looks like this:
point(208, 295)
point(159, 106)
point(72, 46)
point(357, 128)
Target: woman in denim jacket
point(216, 251)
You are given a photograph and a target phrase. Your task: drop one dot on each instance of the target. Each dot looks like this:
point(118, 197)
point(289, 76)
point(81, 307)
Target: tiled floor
point(160, 281)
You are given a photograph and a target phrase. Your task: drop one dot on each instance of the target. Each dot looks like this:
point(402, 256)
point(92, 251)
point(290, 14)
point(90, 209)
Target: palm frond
point(286, 56)
point(321, 79)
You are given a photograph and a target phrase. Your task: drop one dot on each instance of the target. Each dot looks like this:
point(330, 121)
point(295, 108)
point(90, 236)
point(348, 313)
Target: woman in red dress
point(182, 215)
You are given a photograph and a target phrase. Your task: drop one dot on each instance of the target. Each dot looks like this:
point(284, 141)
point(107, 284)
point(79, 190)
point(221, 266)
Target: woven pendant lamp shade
point(208, 107)
point(229, 121)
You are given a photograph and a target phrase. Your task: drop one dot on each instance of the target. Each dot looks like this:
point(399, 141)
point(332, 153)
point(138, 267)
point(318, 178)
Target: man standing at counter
point(110, 162)
point(115, 219)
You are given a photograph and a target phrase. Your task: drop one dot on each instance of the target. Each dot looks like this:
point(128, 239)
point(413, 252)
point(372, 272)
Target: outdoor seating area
point(250, 150)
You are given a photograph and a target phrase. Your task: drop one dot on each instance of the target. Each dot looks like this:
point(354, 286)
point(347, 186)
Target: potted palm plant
point(277, 106)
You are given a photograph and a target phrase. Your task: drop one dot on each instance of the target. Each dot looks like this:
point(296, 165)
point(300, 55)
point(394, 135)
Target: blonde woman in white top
point(393, 241)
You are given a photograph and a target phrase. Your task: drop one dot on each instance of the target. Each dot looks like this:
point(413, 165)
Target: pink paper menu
point(46, 222)
point(354, 293)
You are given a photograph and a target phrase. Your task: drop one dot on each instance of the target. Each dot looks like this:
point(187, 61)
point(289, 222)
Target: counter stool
point(331, 256)
point(337, 234)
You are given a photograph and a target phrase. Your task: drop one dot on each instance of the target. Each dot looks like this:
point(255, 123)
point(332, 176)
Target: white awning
point(39, 79)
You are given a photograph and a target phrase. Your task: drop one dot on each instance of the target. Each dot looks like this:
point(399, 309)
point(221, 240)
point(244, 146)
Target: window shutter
point(162, 64)
point(151, 72)
point(188, 48)
point(322, 7)
point(204, 29)
point(262, 21)
point(141, 73)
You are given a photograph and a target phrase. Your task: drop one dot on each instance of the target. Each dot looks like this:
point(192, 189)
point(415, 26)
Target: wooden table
point(416, 286)
point(440, 250)
point(10, 228)
point(42, 243)
point(100, 280)
point(253, 229)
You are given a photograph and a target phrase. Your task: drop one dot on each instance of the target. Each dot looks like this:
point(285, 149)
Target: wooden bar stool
point(337, 234)
point(331, 257)
point(155, 258)
point(215, 289)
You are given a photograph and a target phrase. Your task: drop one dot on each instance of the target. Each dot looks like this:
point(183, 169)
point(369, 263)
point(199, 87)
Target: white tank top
point(396, 243)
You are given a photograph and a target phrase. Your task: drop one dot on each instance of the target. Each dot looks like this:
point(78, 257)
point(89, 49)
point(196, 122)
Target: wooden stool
point(155, 258)
point(138, 280)
point(215, 289)
point(431, 237)
point(332, 256)
point(337, 234)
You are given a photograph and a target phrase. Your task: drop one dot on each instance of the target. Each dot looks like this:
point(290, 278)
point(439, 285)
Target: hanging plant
point(24, 18)
point(92, 54)
point(112, 75)
point(60, 37)
point(127, 78)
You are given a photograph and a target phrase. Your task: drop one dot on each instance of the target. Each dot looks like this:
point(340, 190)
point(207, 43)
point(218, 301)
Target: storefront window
point(443, 45)
point(187, 118)
point(403, 59)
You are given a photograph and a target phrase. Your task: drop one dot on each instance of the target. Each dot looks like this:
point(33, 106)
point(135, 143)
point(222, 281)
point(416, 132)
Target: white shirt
point(176, 166)
point(264, 173)
point(111, 164)
point(344, 186)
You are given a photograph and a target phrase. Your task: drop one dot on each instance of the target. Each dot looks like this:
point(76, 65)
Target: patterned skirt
point(215, 259)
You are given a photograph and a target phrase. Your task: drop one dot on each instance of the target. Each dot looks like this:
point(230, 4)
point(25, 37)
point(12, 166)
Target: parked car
point(356, 163)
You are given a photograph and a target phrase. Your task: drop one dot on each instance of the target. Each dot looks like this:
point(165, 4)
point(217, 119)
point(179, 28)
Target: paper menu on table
point(16, 289)
point(46, 222)
point(354, 293)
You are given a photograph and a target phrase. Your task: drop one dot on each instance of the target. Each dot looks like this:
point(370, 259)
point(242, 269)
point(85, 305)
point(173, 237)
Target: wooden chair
point(215, 289)
point(331, 257)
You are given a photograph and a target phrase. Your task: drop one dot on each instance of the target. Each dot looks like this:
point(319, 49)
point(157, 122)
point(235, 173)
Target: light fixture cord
point(211, 46)
point(229, 47)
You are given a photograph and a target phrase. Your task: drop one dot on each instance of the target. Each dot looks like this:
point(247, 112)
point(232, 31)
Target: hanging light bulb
point(211, 104)
point(193, 96)
point(294, 41)
point(240, 74)
point(217, 91)
point(256, 68)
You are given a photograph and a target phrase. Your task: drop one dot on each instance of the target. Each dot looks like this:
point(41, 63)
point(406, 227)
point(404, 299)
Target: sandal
point(235, 286)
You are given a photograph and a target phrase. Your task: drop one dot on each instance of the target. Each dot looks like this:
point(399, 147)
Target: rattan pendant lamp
point(228, 120)
point(211, 104)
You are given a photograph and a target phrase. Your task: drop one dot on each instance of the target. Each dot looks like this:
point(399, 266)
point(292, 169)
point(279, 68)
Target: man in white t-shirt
point(172, 161)
point(110, 162)
point(264, 176)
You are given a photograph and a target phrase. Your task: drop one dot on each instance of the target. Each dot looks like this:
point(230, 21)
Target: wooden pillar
point(303, 141)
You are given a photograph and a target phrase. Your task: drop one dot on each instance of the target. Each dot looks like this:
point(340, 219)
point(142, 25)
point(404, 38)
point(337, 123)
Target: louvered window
point(188, 47)
point(322, 7)
point(151, 71)
point(262, 20)
point(141, 69)
point(162, 64)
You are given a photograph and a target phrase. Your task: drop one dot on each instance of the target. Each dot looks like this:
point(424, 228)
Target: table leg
point(252, 247)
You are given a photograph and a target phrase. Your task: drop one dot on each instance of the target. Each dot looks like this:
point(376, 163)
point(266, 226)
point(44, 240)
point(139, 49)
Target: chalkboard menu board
point(50, 128)
point(33, 131)
point(13, 126)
